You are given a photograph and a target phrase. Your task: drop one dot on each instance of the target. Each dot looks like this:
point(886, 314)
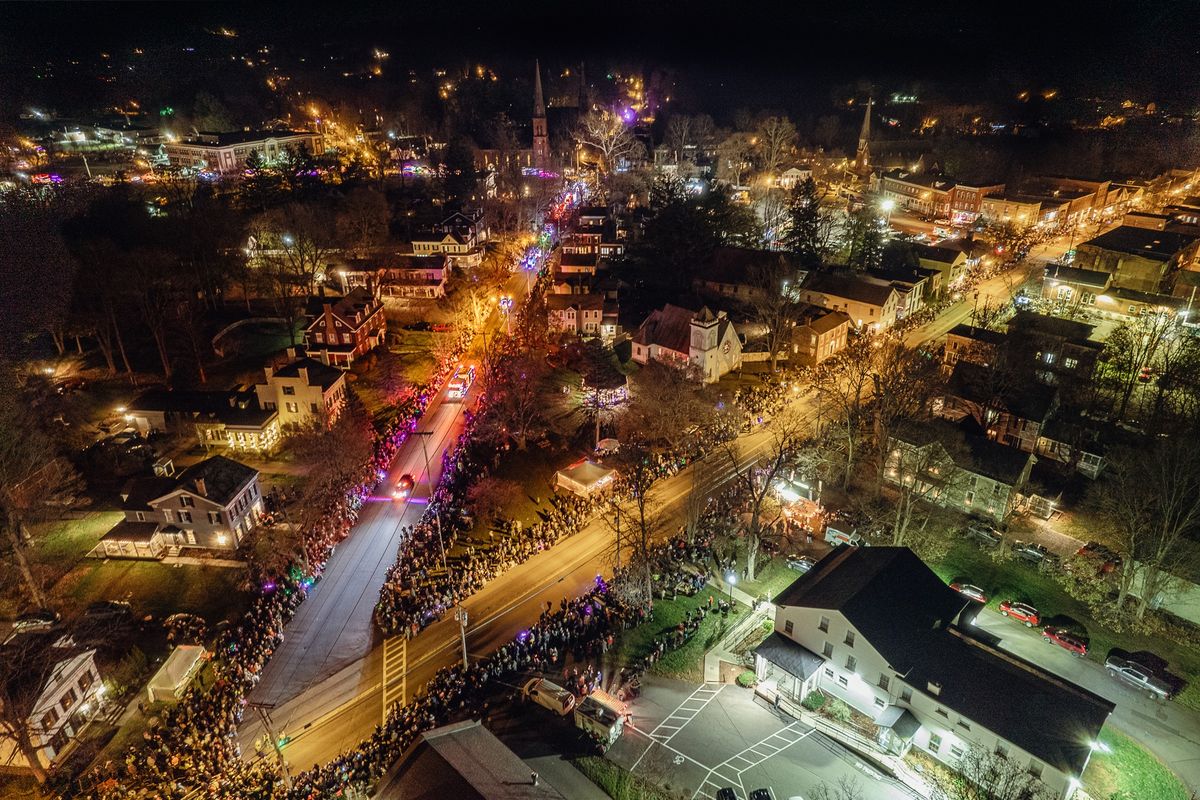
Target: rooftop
point(908, 615)
point(318, 374)
point(851, 287)
point(225, 139)
point(978, 384)
point(1141, 241)
point(223, 478)
point(1083, 277)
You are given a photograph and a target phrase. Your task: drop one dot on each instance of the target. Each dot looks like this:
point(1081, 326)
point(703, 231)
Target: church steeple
point(541, 140)
point(862, 159)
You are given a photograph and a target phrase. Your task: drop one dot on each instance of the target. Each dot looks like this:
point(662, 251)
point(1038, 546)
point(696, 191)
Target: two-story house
point(341, 329)
point(955, 466)
point(818, 335)
point(408, 277)
point(211, 505)
point(71, 694)
point(700, 341)
point(231, 420)
point(581, 314)
point(878, 629)
point(870, 303)
point(1012, 410)
point(303, 392)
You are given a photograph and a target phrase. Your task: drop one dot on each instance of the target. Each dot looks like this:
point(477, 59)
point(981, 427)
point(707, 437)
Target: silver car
point(1138, 676)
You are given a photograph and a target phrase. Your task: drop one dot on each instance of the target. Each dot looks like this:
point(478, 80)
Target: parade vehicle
point(460, 383)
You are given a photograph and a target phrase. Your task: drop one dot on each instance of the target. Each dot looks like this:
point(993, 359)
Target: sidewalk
point(204, 562)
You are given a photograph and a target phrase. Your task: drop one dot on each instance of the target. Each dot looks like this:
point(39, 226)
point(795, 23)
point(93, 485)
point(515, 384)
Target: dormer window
point(935, 689)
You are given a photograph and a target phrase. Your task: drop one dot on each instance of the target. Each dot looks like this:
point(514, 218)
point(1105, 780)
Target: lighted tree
point(608, 135)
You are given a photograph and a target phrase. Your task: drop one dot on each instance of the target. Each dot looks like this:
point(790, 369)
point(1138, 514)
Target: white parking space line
point(684, 713)
point(784, 739)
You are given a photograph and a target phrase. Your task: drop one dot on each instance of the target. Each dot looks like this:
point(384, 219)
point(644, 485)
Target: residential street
point(334, 626)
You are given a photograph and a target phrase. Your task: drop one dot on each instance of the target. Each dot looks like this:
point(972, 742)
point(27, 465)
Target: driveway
point(1170, 732)
point(702, 738)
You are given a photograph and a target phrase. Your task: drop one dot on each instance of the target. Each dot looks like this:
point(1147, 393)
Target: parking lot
point(700, 739)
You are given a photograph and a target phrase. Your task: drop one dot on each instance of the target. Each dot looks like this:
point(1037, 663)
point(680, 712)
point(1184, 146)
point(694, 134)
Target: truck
point(460, 384)
point(602, 716)
point(837, 538)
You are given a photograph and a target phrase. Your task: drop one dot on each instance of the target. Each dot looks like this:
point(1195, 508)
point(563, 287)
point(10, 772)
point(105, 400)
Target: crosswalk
point(395, 673)
point(729, 772)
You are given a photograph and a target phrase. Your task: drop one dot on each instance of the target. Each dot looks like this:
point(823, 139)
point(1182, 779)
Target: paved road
point(1172, 733)
point(333, 627)
point(338, 712)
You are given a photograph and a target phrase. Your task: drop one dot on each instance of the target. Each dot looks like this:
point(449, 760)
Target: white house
point(303, 391)
point(871, 303)
point(878, 629)
point(70, 697)
point(212, 504)
point(697, 340)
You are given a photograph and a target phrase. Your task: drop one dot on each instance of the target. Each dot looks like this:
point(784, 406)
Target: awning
point(796, 659)
point(900, 720)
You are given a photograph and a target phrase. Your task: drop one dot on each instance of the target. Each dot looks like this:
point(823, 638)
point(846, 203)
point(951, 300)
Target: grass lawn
point(533, 469)
point(20, 787)
point(1014, 579)
point(686, 662)
point(621, 784)
point(1129, 772)
point(58, 545)
point(773, 577)
point(214, 593)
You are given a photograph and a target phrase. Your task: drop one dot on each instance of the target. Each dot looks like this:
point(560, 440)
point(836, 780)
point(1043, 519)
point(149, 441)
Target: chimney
point(201, 489)
point(268, 371)
point(304, 376)
point(291, 352)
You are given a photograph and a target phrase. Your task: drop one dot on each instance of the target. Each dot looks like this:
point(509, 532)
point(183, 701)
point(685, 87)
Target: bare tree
point(362, 219)
point(635, 525)
point(605, 132)
point(155, 292)
point(733, 157)
point(678, 136)
point(842, 397)
point(985, 775)
point(1129, 348)
point(903, 380)
point(922, 466)
point(776, 139)
point(775, 303)
point(295, 243)
point(1149, 501)
point(754, 476)
point(846, 788)
point(665, 407)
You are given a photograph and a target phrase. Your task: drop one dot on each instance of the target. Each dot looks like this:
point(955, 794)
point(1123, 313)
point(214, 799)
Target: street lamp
point(731, 579)
point(460, 614)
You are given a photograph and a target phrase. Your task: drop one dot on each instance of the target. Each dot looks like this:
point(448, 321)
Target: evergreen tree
point(805, 235)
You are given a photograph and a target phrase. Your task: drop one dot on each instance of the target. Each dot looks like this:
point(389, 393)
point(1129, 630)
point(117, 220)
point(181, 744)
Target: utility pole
point(460, 614)
point(429, 479)
point(617, 506)
point(262, 709)
point(292, 528)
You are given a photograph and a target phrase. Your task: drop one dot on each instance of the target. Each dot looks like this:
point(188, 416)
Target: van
point(837, 538)
point(549, 695)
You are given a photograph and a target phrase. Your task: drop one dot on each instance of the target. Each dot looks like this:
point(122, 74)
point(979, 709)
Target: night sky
point(726, 53)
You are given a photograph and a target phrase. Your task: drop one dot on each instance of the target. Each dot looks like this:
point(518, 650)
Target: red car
point(403, 487)
point(970, 591)
point(1066, 640)
point(1021, 612)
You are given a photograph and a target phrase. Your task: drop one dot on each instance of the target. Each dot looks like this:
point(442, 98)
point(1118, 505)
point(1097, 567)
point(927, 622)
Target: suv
point(108, 609)
point(1034, 553)
point(41, 620)
point(1138, 676)
point(1075, 645)
point(970, 591)
point(1021, 612)
point(983, 534)
point(1108, 559)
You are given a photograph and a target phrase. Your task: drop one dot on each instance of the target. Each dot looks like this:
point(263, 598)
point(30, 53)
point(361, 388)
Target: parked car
point(404, 487)
point(726, 793)
point(1034, 553)
point(970, 591)
point(549, 695)
point(41, 620)
point(1108, 559)
point(108, 609)
point(762, 794)
point(983, 534)
point(1139, 676)
point(801, 563)
point(1021, 612)
point(1072, 643)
